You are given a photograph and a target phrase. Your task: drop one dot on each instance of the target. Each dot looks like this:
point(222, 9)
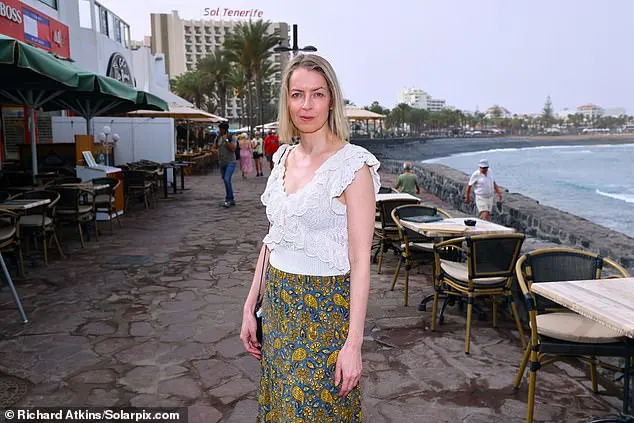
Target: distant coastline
point(420, 150)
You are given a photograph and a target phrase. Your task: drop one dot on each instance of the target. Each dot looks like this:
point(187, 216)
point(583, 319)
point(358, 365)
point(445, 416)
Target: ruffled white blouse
point(309, 232)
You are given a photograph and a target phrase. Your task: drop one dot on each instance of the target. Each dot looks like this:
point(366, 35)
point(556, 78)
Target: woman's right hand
point(248, 336)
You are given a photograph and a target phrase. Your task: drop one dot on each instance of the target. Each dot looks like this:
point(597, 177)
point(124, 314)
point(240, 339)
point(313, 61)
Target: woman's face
point(309, 100)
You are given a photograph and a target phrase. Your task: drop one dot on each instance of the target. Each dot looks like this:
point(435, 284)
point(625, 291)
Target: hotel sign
point(28, 24)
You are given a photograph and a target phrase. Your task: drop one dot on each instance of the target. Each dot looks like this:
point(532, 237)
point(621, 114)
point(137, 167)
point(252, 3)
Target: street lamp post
point(295, 49)
point(108, 140)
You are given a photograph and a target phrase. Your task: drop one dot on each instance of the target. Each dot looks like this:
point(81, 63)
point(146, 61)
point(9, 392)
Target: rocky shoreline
point(545, 226)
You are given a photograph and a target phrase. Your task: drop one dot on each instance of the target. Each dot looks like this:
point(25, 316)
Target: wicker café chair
point(557, 332)
point(488, 272)
point(386, 231)
point(10, 238)
point(414, 247)
point(41, 222)
point(377, 223)
point(105, 199)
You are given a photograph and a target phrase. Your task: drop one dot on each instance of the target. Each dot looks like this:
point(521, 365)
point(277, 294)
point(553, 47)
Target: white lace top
point(309, 231)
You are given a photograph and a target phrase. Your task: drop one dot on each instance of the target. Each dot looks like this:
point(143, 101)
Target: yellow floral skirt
point(305, 324)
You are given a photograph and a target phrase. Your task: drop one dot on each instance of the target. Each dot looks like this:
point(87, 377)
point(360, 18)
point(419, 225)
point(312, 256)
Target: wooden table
point(609, 302)
point(85, 185)
point(606, 301)
point(395, 196)
point(22, 204)
point(455, 227)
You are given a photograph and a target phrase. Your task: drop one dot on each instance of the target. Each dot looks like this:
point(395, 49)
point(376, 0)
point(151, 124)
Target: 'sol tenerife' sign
point(28, 24)
point(233, 13)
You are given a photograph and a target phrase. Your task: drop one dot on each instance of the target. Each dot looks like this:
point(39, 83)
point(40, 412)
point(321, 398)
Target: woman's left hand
point(348, 369)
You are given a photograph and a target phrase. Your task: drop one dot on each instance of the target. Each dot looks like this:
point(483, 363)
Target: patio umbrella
point(100, 95)
point(178, 111)
point(32, 77)
point(37, 79)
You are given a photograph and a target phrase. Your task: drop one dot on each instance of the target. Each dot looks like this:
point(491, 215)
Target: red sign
point(27, 24)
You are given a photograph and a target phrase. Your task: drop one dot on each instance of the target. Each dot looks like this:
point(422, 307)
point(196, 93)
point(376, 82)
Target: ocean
point(592, 181)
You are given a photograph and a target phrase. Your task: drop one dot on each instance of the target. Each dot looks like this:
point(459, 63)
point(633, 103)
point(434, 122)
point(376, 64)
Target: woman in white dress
point(320, 202)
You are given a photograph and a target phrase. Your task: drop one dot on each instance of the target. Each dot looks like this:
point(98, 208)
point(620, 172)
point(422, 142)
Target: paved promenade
point(150, 316)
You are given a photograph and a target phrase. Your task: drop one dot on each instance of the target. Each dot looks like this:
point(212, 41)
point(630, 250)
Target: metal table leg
point(15, 294)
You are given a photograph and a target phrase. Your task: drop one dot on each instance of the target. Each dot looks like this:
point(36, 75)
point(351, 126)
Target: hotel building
point(420, 99)
point(184, 42)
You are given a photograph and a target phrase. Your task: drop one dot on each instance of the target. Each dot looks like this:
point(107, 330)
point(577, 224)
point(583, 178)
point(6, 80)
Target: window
point(117, 30)
point(84, 14)
point(50, 3)
point(103, 20)
point(125, 31)
point(111, 26)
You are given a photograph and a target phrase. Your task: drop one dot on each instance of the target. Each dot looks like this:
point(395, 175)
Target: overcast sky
point(471, 53)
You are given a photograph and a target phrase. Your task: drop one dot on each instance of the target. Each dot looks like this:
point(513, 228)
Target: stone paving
point(150, 316)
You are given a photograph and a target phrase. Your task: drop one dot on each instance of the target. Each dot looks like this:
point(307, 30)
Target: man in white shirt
point(485, 187)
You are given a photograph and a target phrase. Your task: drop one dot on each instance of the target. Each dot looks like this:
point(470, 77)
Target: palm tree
point(250, 46)
point(239, 83)
point(270, 91)
point(191, 87)
point(215, 69)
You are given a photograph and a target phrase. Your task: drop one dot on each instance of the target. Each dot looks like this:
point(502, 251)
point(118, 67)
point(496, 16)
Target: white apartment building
point(186, 41)
point(614, 111)
point(420, 99)
point(590, 110)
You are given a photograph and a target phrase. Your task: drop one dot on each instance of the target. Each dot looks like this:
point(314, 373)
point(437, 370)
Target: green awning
point(33, 77)
point(21, 63)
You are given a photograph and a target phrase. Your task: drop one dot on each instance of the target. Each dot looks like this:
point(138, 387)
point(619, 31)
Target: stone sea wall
point(524, 214)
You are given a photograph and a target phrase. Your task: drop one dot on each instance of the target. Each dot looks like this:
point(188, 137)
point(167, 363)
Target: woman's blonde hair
point(337, 121)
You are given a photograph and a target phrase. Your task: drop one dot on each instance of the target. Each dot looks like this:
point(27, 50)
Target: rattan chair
point(557, 332)
point(488, 272)
point(41, 222)
point(105, 199)
point(414, 247)
point(10, 237)
point(386, 231)
point(77, 206)
point(138, 184)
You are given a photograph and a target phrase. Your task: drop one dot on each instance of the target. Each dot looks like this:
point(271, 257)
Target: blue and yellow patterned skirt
point(305, 324)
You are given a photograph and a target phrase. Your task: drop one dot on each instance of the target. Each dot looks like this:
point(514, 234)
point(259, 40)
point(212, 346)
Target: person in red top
point(271, 144)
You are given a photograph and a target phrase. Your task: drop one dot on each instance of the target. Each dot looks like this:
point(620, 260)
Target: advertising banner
point(27, 24)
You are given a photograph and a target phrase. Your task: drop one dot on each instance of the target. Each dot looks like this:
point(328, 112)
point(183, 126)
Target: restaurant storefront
point(32, 23)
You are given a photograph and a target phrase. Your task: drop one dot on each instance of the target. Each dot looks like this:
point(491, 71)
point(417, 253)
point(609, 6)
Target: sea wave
point(540, 147)
point(577, 152)
point(628, 198)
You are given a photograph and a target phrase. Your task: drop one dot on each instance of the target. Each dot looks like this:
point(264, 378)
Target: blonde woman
point(320, 202)
point(246, 154)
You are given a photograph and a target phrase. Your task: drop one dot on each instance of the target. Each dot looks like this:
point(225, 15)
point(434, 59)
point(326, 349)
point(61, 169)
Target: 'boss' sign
point(10, 13)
